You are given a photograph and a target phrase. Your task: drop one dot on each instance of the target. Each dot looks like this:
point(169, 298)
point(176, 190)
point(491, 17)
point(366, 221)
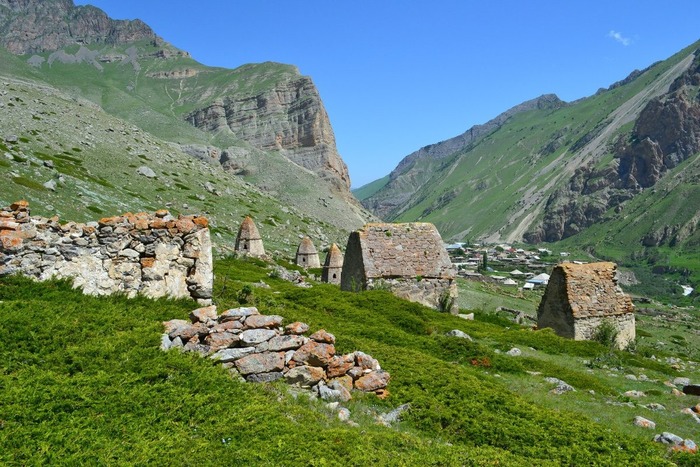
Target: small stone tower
point(333, 265)
point(248, 241)
point(307, 256)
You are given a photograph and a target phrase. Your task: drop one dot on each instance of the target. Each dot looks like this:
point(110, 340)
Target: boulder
point(339, 366)
point(279, 343)
point(221, 340)
point(230, 355)
point(366, 362)
point(204, 314)
point(668, 438)
point(644, 423)
point(459, 334)
point(323, 337)
point(264, 377)
point(238, 313)
point(263, 321)
point(514, 352)
point(296, 328)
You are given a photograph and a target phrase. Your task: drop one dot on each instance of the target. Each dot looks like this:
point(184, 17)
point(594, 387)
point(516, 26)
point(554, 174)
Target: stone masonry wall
point(156, 255)
point(585, 328)
point(257, 348)
point(440, 294)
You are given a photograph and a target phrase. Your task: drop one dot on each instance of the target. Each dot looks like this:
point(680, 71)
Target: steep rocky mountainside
point(665, 134)
point(289, 118)
point(34, 26)
point(67, 157)
point(416, 169)
point(264, 122)
point(548, 171)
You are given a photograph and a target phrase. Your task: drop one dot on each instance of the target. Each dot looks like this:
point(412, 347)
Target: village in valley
point(504, 264)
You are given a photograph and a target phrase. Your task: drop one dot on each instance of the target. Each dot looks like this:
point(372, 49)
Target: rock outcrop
point(257, 348)
point(289, 118)
point(34, 26)
point(666, 133)
point(156, 255)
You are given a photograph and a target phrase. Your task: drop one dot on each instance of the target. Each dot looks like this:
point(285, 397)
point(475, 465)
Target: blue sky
point(398, 75)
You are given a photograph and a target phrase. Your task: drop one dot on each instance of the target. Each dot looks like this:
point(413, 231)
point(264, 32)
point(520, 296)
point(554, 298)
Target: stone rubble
point(257, 348)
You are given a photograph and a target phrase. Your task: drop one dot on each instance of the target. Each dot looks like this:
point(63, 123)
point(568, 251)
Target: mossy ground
point(83, 382)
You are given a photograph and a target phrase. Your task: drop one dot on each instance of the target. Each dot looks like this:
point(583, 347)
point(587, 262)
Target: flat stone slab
point(230, 355)
point(257, 336)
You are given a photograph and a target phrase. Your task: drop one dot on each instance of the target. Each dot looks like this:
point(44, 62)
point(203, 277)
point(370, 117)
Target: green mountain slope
point(365, 191)
point(624, 162)
point(285, 147)
point(68, 157)
point(103, 392)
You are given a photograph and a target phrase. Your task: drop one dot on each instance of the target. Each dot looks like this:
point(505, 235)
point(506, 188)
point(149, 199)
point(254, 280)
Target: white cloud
point(620, 38)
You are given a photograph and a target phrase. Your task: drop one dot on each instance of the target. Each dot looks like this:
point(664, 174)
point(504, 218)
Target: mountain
point(416, 169)
point(614, 174)
point(260, 124)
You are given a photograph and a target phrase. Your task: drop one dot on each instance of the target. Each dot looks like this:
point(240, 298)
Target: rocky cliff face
point(33, 26)
point(289, 118)
point(411, 173)
point(666, 133)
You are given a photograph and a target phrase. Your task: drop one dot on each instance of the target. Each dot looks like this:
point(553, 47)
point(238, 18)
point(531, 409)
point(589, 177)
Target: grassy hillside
point(496, 187)
point(100, 390)
point(93, 160)
point(365, 191)
point(142, 94)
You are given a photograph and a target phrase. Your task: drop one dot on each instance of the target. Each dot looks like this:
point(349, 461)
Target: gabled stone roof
point(591, 289)
point(402, 250)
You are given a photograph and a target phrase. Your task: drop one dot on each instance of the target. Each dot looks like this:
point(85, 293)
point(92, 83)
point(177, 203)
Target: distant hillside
point(613, 173)
point(262, 123)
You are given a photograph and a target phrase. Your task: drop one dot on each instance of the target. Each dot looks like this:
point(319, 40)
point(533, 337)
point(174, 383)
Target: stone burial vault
point(408, 259)
point(580, 297)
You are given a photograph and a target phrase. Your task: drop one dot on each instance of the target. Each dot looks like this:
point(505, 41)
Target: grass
point(101, 392)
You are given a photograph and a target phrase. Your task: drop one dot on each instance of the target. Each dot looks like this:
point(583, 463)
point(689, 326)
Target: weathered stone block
point(260, 363)
point(231, 355)
point(257, 336)
point(305, 376)
point(314, 353)
point(263, 321)
point(372, 381)
point(296, 328)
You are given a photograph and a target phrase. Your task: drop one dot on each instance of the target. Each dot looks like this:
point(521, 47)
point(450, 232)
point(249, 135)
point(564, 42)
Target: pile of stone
point(155, 255)
point(258, 348)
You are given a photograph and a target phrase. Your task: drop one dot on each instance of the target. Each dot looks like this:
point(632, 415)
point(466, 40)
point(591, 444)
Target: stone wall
point(440, 294)
point(257, 348)
point(156, 255)
point(585, 329)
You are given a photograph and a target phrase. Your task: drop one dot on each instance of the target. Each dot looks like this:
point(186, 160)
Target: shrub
point(606, 334)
